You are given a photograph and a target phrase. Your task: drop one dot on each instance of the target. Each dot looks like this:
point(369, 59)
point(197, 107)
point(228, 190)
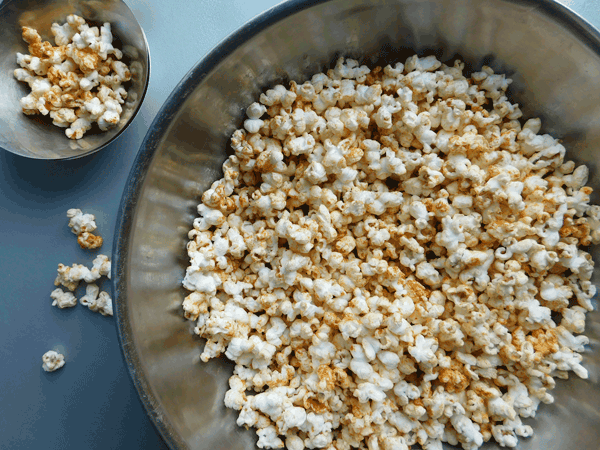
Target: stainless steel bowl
point(34, 136)
point(553, 57)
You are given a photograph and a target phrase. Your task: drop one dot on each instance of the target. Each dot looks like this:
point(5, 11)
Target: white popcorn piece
point(391, 258)
point(78, 128)
point(52, 361)
point(91, 296)
point(78, 82)
point(101, 267)
point(79, 222)
point(111, 115)
point(63, 299)
point(254, 112)
point(103, 304)
point(63, 117)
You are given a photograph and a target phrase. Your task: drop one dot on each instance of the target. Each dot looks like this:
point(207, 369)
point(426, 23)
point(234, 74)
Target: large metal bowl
point(553, 57)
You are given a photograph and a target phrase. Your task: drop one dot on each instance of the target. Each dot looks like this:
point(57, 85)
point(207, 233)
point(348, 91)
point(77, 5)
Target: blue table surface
point(91, 403)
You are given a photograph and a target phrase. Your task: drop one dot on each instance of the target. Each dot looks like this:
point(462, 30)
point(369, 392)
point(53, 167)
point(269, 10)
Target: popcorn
point(52, 361)
point(390, 259)
point(79, 222)
point(77, 83)
point(91, 296)
point(70, 277)
point(97, 301)
point(63, 299)
point(82, 225)
point(100, 267)
point(103, 304)
point(89, 240)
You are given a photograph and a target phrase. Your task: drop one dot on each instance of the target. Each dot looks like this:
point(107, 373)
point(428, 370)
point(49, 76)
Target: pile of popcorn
point(393, 258)
point(79, 81)
point(70, 276)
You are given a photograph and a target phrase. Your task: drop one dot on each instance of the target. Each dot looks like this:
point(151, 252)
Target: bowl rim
point(137, 109)
point(564, 15)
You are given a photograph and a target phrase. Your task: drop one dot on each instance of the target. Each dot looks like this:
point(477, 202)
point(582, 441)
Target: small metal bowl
point(552, 55)
point(35, 136)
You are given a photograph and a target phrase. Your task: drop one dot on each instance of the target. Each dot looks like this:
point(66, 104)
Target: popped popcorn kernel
point(52, 361)
point(89, 240)
point(392, 258)
point(63, 299)
point(103, 304)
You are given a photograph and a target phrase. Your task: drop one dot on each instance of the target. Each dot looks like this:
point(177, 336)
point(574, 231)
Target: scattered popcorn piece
point(52, 361)
point(101, 267)
point(103, 304)
point(63, 299)
point(88, 240)
point(392, 259)
point(77, 83)
point(70, 277)
point(82, 225)
point(79, 222)
point(91, 296)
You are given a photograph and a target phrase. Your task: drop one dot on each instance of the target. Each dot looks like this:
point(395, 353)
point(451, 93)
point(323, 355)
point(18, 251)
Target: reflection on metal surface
point(37, 138)
point(554, 59)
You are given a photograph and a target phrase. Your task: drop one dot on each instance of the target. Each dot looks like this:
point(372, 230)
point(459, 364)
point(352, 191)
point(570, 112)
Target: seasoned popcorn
point(393, 258)
point(52, 361)
point(79, 81)
point(82, 225)
point(70, 277)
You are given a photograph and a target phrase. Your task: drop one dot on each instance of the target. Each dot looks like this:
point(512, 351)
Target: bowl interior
point(551, 54)
point(35, 136)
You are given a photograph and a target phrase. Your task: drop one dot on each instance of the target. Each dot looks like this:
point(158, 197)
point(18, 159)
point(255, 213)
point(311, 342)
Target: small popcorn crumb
point(82, 225)
point(52, 361)
point(392, 258)
point(79, 81)
point(63, 299)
